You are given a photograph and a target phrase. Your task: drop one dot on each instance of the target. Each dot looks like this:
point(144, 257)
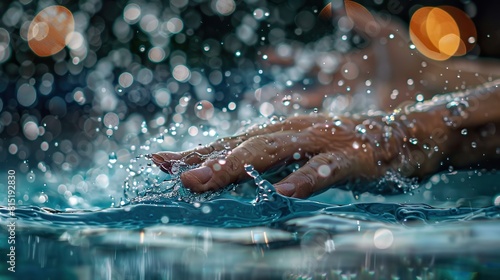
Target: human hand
point(389, 68)
point(376, 68)
point(336, 150)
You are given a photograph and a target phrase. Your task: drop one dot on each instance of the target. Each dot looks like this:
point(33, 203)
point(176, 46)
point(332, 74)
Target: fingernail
point(285, 188)
point(157, 159)
point(202, 174)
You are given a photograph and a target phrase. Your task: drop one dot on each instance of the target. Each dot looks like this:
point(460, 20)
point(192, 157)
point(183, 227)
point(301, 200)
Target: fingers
point(318, 173)
point(195, 156)
point(165, 160)
point(263, 152)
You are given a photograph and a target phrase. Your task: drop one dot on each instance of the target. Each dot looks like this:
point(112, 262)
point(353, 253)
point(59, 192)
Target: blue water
point(266, 237)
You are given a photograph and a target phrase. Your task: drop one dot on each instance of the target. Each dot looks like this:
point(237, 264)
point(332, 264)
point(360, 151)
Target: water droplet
point(144, 127)
point(112, 158)
point(324, 171)
point(457, 107)
point(286, 100)
point(355, 145)
point(473, 145)
point(361, 129)
point(414, 141)
point(31, 177)
point(199, 106)
point(464, 131)
point(160, 139)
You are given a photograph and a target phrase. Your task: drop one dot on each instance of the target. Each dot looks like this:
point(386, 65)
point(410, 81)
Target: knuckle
point(325, 159)
point(232, 164)
point(263, 143)
point(307, 179)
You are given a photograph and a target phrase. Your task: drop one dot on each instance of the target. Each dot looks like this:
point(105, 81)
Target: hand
point(336, 151)
point(387, 67)
point(377, 67)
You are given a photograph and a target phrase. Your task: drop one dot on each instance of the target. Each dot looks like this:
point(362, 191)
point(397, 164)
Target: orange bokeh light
point(442, 32)
point(48, 31)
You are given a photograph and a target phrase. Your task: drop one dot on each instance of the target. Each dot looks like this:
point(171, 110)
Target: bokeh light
point(442, 32)
point(49, 30)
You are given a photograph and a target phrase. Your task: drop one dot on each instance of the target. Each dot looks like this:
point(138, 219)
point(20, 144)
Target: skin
point(421, 141)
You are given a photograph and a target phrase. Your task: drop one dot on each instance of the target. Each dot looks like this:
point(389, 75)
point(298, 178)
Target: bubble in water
point(165, 219)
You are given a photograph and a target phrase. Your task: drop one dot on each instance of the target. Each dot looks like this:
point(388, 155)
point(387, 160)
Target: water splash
point(146, 183)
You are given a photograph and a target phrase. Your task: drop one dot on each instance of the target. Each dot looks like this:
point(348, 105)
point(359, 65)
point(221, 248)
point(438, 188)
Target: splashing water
point(146, 183)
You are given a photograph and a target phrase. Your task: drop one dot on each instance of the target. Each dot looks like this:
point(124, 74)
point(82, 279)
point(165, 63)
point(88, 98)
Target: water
point(269, 236)
point(77, 130)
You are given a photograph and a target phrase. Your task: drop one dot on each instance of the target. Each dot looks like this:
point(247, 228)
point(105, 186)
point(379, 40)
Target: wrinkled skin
point(315, 138)
point(337, 151)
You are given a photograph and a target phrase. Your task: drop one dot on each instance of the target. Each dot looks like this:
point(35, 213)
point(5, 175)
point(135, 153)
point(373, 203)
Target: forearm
point(457, 130)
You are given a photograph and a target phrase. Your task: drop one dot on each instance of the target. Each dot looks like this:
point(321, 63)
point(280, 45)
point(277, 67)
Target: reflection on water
point(269, 237)
point(136, 77)
point(289, 239)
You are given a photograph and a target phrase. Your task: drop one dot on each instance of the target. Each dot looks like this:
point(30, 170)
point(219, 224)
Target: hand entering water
point(416, 140)
point(336, 150)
